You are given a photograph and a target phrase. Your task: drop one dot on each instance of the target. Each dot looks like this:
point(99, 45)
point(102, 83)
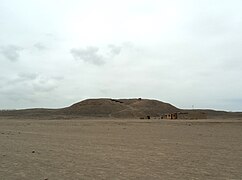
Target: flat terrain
point(120, 149)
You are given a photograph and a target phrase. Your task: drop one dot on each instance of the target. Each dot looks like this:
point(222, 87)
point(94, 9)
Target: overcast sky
point(57, 52)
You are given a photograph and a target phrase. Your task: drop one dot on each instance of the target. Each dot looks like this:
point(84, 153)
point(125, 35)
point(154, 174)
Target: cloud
point(40, 46)
point(27, 76)
point(28, 89)
point(30, 82)
point(11, 52)
point(20, 78)
point(90, 55)
point(189, 47)
point(94, 56)
point(114, 50)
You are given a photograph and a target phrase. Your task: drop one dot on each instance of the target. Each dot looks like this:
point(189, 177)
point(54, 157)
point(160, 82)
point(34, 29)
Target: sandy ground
point(120, 149)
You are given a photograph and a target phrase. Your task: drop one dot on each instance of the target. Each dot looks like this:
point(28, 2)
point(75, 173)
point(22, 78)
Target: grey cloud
point(22, 77)
point(16, 96)
point(31, 81)
point(58, 78)
point(40, 46)
point(93, 55)
point(48, 86)
point(45, 83)
point(11, 52)
point(27, 76)
point(90, 55)
point(27, 88)
point(114, 50)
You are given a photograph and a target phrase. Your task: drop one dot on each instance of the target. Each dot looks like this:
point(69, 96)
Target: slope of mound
point(122, 108)
point(95, 107)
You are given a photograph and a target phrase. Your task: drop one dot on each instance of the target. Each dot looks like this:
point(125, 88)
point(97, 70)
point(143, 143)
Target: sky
point(54, 53)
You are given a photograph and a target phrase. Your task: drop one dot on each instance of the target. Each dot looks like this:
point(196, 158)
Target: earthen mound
point(121, 108)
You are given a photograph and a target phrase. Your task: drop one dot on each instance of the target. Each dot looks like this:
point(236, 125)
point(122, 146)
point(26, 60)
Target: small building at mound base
point(185, 115)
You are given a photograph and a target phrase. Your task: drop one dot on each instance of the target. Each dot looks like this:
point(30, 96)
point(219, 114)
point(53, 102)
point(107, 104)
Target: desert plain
point(107, 148)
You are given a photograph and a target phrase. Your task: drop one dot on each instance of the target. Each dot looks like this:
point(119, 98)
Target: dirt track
point(120, 149)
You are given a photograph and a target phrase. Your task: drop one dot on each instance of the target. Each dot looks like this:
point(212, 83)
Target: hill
point(119, 108)
point(111, 108)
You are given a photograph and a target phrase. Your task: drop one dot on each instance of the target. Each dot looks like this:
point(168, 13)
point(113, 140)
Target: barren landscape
point(120, 149)
point(114, 139)
point(120, 90)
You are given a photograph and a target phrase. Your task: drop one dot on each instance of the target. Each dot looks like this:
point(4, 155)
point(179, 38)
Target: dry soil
point(120, 149)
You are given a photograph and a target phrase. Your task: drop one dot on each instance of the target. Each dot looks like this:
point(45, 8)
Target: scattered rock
point(33, 151)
